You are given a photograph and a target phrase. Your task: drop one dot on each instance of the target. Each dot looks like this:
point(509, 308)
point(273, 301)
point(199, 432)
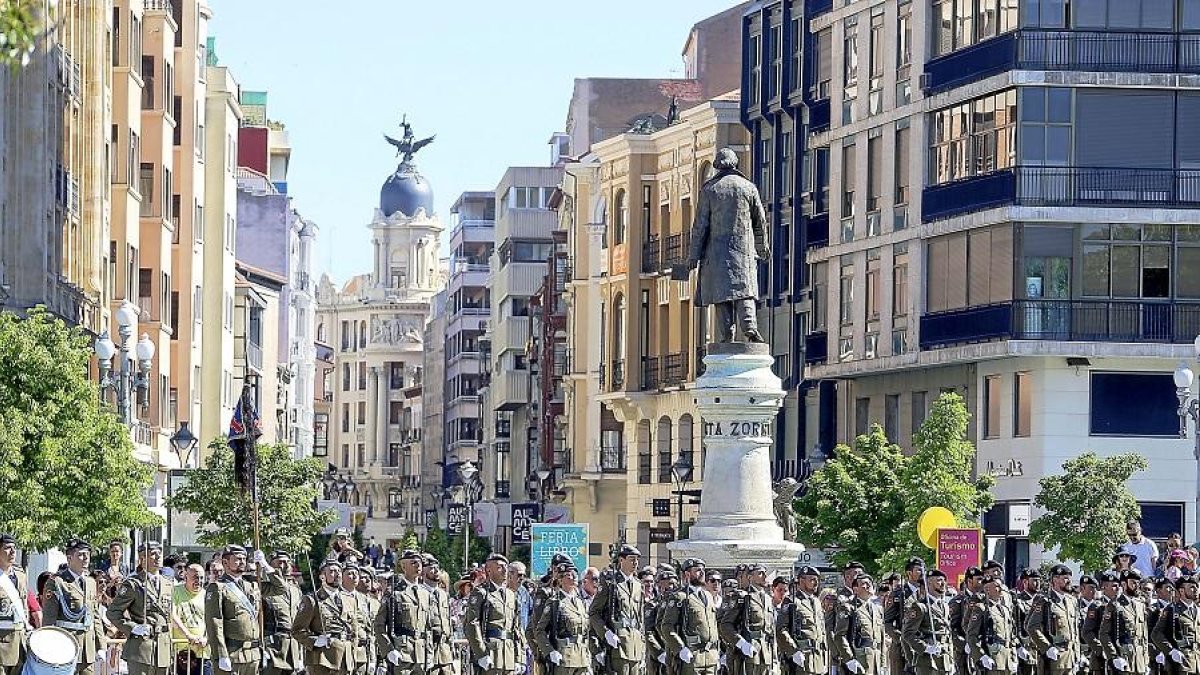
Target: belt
point(496, 634)
point(753, 635)
point(364, 642)
point(155, 630)
point(247, 644)
point(405, 632)
point(12, 625)
point(336, 636)
point(572, 639)
point(864, 643)
point(73, 625)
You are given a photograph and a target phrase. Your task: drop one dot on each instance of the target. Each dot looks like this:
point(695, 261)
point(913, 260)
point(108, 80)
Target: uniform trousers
point(691, 669)
point(742, 312)
point(895, 657)
point(614, 667)
point(146, 669)
point(322, 670)
point(564, 670)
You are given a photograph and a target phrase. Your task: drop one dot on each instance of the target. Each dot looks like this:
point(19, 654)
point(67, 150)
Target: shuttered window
point(1106, 138)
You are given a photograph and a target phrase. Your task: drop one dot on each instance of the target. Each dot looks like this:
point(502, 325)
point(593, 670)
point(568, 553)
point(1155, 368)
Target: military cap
point(627, 550)
point(367, 571)
point(807, 571)
point(1107, 577)
point(233, 549)
point(496, 557)
point(646, 573)
point(410, 554)
point(753, 568)
point(73, 544)
point(155, 546)
point(566, 567)
point(692, 562)
point(713, 575)
point(741, 567)
point(1060, 571)
point(1131, 574)
point(281, 555)
point(1087, 580)
point(992, 565)
point(558, 559)
point(1160, 582)
point(350, 567)
point(429, 560)
point(913, 563)
point(853, 565)
point(863, 577)
point(992, 579)
point(939, 573)
point(6, 539)
point(1185, 579)
point(729, 583)
point(973, 572)
point(341, 532)
point(330, 562)
point(667, 574)
point(1030, 573)
point(1121, 552)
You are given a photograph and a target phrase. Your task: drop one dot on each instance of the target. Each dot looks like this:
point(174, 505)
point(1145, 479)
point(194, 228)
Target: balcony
point(650, 373)
point(800, 469)
point(969, 194)
point(674, 369)
point(1066, 50)
point(650, 255)
point(1160, 321)
point(675, 249)
point(1076, 186)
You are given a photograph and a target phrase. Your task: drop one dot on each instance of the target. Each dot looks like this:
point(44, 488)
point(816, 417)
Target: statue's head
point(725, 160)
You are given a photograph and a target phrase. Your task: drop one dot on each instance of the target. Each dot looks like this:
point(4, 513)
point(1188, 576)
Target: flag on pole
point(244, 430)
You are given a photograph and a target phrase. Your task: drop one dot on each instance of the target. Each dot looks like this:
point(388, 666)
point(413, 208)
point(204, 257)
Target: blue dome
point(406, 191)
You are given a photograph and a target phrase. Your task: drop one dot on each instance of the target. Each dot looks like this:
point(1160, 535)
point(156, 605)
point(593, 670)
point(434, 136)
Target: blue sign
point(548, 539)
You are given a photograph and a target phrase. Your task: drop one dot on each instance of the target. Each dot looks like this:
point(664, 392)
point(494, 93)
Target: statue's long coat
point(728, 232)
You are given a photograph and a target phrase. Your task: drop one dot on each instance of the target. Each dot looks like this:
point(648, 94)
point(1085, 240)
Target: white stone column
point(382, 413)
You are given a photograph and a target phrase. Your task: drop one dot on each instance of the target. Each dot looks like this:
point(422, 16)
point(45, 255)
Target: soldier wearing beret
point(1124, 634)
point(858, 630)
point(75, 605)
point(1091, 610)
point(1053, 625)
point(14, 615)
point(617, 616)
point(960, 606)
point(1177, 633)
point(364, 620)
point(926, 629)
point(1028, 586)
point(1163, 595)
point(142, 611)
point(990, 632)
point(231, 606)
point(561, 633)
point(281, 599)
point(748, 623)
point(800, 628)
point(666, 582)
point(899, 660)
point(441, 631)
point(402, 624)
point(491, 623)
point(687, 624)
point(326, 624)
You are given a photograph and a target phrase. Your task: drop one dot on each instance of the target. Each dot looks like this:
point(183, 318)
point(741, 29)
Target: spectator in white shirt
point(1145, 550)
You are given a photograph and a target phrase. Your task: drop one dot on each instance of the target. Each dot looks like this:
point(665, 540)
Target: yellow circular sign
point(933, 519)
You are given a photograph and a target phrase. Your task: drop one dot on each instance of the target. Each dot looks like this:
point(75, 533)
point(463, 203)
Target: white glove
point(381, 670)
point(260, 557)
point(141, 630)
point(394, 657)
point(798, 658)
point(1052, 653)
point(933, 650)
point(600, 658)
point(852, 665)
point(685, 655)
point(224, 664)
point(987, 662)
point(746, 647)
point(612, 639)
point(967, 647)
point(1120, 663)
point(721, 661)
point(1023, 654)
point(662, 658)
point(555, 658)
point(1176, 656)
point(1160, 659)
point(321, 641)
point(485, 662)
point(520, 669)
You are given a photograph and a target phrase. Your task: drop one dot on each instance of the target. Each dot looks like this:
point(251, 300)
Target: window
point(1135, 261)
point(974, 138)
point(850, 57)
point(1134, 404)
point(820, 179)
point(991, 406)
point(146, 189)
point(168, 214)
point(820, 295)
point(766, 149)
point(919, 403)
point(1022, 410)
point(873, 285)
point(1046, 126)
point(983, 258)
point(1133, 15)
point(622, 217)
point(362, 375)
point(346, 379)
point(962, 23)
point(1043, 13)
point(116, 37)
point(754, 51)
point(900, 280)
point(785, 166)
point(395, 411)
point(345, 417)
point(874, 169)
point(197, 223)
point(646, 211)
point(362, 413)
point(135, 43)
point(849, 178)
point(665, 456)
point(823, 68)
point(904, 39)
point(862, 416)
point(645, 476)
point(776, 55)
point(875, 58)
point(347, 335)
point(891, 417)
point(846, 296)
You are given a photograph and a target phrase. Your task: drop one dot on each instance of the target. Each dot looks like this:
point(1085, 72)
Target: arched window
point(618, 352)
point(643, 448)
point(321, 332)
point(621, 213)
point(685, 444)
point(665, 459)
point(706, 171)
point(600, 217)
point(362, 334)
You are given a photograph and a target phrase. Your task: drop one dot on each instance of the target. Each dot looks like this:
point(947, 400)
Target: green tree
point(67, 464)
point(19, 31)
point(1086, 507)
point(940, 472)
point(449, 550)
point(853, 504)
point(287, 487)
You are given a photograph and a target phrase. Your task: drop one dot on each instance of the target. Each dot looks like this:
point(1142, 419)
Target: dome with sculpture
point(406, 191)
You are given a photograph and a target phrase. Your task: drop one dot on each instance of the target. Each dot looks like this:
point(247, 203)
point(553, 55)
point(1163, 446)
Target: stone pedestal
point(738, 397)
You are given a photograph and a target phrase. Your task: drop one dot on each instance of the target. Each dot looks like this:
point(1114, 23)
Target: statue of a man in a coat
point(728, 240)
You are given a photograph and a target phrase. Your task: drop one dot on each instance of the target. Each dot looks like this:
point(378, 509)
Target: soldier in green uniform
point(491, 624)
point(990, 632)
point(1164, 591)
point(1123, 634)
point(1177, 633)
point(142, 610)
point(960, 606)
point(748, 623)
point(1089, 633)
point(1028, 586)
point(402, 623)
point(858, 631)
point(687, 624)
point(231, 606)
point(561, 633)
point(666, 582)
point(1088, 598)
point(926, 630)
point(440, 660)
point(1053, 625)
point(800, 628)
point(326, 624)
point(546, 589)
point(899, 661)
point(14, 615)
point(75, 605)
point(280, 601)
point(617, 616)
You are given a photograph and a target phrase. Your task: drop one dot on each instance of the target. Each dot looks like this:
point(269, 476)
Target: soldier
point(960, 606)
point(402, 623)
point(14, 614)
point(1087, 598)
point(1089, 633)
point(441, 631)
point(1027, 588)
point(562, 629)
point(990, 631)
point(899, 661)
point(1053, 625)
point(666, 582)
point(1123, 633)
point(547, 588)
point(617, 616)
point(1162, 596)
point(326, 625)
point(858, 631)
point(75, 606)
point(800, 628)
point(491, 623)
point(748, 623)
point(926, 630)
point(142, 610)
point(687, 624)
point(364, 655)
point(1177, 633)
point(280, 601)
point(231, 607)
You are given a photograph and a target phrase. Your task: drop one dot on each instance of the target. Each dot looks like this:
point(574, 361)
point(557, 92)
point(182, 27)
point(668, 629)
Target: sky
point(491, 79)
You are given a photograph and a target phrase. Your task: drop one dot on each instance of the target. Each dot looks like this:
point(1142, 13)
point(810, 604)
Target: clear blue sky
point(491, 79)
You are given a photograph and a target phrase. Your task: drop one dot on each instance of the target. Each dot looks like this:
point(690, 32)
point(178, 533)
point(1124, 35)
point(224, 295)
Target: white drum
point(50, 651)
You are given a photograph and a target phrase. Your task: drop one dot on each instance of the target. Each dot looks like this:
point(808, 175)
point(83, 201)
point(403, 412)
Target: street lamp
point(183, 442)
point(127, 382)
point(467, 471)
point(681, 471)
point(1189, 406)
point(542, 474)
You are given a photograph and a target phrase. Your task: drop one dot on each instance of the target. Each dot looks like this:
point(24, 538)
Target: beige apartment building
point(635, 339)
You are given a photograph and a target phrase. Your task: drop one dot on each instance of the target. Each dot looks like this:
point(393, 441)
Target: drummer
point(142, 611)
point(75, 605)
point(14, 614)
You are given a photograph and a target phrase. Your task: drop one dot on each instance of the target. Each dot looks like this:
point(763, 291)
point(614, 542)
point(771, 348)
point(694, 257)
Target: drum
point(50, 651)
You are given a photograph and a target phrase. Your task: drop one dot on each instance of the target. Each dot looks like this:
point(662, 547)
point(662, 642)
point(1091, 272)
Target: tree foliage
point(287, 488)
point(19, 32)
point(1086, 507)
point(864, 503)
point(67, 464)
point(449, 550)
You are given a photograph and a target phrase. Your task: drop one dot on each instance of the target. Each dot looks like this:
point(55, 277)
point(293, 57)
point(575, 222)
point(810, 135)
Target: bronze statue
point(408, 145)
point(728, 240)
point(785, 509)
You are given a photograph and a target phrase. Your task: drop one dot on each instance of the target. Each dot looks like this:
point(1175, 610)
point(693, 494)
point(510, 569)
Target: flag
point(244, 430)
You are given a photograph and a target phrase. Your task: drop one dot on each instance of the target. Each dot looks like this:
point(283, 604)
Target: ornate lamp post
point(127, 382)
point(1189, 406)
point(681, 471)
point(183, 442)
